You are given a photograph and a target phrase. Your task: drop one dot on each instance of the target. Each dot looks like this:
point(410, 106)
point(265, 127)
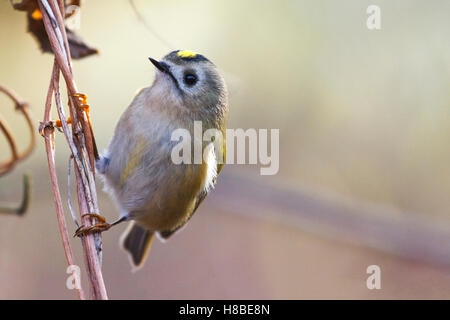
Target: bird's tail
point(136, 241)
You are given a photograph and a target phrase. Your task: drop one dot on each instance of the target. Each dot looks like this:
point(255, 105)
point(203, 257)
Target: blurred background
point(364, 173)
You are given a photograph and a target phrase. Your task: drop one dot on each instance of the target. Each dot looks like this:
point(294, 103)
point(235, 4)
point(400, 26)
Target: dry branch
point(47, 131)
point(23, 207)
point(81, 143)
point(16, 156)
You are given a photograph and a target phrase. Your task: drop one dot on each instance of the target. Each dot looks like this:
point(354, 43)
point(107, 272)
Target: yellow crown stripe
point(186, 54)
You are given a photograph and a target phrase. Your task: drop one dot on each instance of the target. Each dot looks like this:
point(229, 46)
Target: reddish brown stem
point(22, 107)
point(80, 142)
point(48, 134)
point(7, 165)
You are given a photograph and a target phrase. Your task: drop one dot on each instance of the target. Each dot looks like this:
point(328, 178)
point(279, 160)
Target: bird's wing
point(200, 197)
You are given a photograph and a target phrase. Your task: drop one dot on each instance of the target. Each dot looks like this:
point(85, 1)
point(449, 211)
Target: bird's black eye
point(190, 78)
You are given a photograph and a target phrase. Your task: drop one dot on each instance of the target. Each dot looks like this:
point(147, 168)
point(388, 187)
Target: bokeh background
point(364, 150)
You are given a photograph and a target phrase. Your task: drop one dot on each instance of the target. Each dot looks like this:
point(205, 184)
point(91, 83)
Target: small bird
point(158, 195)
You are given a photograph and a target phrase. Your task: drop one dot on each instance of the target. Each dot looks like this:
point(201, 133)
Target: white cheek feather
point(209, 156)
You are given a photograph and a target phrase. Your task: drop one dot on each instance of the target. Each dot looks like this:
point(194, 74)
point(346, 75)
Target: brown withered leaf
point(25, 5)
point(78, 48)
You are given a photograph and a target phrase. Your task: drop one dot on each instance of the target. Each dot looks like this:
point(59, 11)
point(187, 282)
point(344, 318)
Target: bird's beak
point(161, 66)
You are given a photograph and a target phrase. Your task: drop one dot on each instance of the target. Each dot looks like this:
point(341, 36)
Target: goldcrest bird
point(148, 188)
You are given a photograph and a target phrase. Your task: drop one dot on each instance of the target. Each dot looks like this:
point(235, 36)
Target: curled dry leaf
point(78, 48)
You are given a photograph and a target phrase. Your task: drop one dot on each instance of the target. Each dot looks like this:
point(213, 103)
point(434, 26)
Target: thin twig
point(69, 198)
point(148, 27)
point(16, 156)
point(47, 131)
point(23, 207)
point(6, 166)
point(81, 142)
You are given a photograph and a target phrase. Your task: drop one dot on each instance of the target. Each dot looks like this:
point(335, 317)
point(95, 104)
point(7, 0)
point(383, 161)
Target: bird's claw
point(96, 228)
point(96, 216)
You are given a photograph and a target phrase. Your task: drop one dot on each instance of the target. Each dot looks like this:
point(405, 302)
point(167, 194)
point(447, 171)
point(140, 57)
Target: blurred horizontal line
point(404, 234)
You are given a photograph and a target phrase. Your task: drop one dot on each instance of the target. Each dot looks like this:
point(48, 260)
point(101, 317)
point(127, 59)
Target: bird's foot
point(96, 228)
point(99, 227)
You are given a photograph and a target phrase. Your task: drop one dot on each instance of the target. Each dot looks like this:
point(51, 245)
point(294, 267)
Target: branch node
point(45, 126)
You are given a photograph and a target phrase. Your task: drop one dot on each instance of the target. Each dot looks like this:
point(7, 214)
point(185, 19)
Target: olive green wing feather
point(201, 196)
